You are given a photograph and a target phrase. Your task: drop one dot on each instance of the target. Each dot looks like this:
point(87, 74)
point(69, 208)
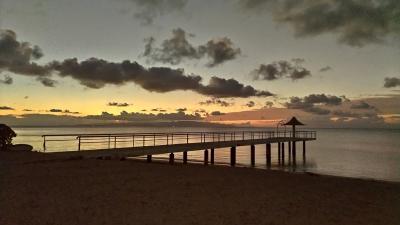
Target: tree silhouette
point(6, 136)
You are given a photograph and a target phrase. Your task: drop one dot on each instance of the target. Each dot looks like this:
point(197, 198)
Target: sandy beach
point(35, 189)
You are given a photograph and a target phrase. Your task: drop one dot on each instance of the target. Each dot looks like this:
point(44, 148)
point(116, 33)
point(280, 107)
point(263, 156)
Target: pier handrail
point(111, 140)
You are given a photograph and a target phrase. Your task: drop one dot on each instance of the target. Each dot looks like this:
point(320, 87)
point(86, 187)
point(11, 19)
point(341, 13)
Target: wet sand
point(35, 189)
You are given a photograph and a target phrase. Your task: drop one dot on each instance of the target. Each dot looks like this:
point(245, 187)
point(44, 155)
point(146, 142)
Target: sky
point(333, 63)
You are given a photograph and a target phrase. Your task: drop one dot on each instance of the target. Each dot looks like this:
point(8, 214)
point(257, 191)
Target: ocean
point(358, 153)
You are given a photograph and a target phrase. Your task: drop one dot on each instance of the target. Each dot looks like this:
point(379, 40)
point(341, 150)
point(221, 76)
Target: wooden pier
point(148, 144)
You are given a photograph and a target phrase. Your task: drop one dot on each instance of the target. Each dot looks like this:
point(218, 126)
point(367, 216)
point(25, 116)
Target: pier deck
point(148, 144)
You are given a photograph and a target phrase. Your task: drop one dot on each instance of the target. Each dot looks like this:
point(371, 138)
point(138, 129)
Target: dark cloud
point(356, 22)
point(217, 113)
point(147, 10)
point(6, 108)
point(55, 110)
point(172, 50)
point(118, 104)
point(325, 69)
point(391, 82)
point(134, 116)
point(177, 49)
point(6, 80)
point(181, 110)
point(27, 110)
point(66, 111)
point(269, 104)
point(223, 88)
point(97, 73)
point(250, 104)
point(219, 50)
point(280, 69)
point(47, 81)
point(216, 101)
point(362, 105)
point(312, 103)
point(18, 57)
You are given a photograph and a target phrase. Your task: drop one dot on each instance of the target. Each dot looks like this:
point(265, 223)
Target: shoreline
point(38, 189)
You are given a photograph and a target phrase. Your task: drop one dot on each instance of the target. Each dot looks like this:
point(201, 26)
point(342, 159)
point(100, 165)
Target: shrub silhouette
point(6, 136)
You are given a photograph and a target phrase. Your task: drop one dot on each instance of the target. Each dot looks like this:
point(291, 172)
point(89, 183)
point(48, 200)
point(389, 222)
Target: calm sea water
point(372, 153)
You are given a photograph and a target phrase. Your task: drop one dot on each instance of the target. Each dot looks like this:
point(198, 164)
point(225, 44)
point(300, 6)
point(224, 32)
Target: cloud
point(134, 116)
point(355, 22)
point(181, 110)
point(27, 110)
point(47, 81)
point(217, 113)
point(219, 50)
point(223, 88)
point(172, 50)
point(269, 104)
point(216, 101)
point(117, 104)
point(281, 69)
point(55, 110)
point(325, 69)
point(147, 10)
point(18, 57)
point(177, 49)
point(391, 82)
point(362, 105)
point(66, 111)
point(6, 108)
point(6, 80)
point(97, 73)
point(250, 104)
point(312, 103)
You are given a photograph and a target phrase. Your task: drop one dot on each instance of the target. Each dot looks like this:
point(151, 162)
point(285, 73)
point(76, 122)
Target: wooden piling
point(206, 157)
point(185, 157)
point(253, 155)
point(294, 152)
point(283, 153)
point(268, 154)
point(233, 155)
point(212, 156)
point(279, 153)
point(304, 152)
point(149, 157)
point(171, 158)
